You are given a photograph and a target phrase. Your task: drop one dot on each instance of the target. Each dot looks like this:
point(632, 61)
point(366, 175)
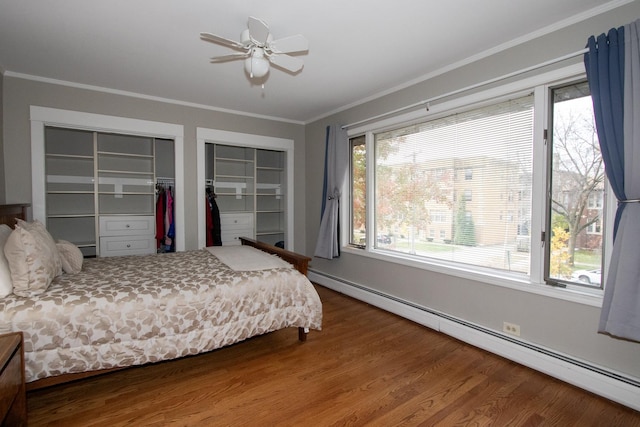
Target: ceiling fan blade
point(258, 30)
point(287, 62)
point(297, 43)
point(230, 57)
point(221, 40)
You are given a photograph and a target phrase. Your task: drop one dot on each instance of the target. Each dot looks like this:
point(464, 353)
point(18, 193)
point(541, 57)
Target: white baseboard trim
point(598, 380)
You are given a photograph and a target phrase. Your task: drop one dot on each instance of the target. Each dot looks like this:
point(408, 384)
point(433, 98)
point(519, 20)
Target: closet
point(100, 189)
point(250, 192)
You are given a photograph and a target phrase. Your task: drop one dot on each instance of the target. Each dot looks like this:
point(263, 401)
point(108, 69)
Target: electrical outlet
point(511, 328)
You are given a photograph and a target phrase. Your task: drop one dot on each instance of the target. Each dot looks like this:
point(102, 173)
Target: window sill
point(512, 281)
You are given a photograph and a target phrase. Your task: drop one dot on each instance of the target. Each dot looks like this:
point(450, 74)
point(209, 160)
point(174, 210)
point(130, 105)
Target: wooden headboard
point(9, 213)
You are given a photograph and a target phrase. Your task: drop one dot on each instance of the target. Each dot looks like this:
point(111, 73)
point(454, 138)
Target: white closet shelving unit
point(100, 190)
point(126, 194)
point(270, 196)
point(251, 192)
point(70, 187)
point(65, 207)
point(272, 212)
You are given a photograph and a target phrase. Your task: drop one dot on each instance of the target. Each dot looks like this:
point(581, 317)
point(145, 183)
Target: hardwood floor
point(367, 367)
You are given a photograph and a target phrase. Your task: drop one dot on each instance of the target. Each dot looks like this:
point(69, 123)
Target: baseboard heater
point(601, 381)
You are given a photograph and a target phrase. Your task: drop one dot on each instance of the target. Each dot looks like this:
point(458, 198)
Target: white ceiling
point(357, 48)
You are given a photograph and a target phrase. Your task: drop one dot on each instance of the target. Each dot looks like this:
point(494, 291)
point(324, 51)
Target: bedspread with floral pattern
point(123, 311)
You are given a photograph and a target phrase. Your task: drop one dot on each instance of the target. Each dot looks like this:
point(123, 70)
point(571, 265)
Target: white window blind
point(456, 188)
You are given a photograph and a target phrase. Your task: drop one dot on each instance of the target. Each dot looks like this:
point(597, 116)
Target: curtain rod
point(468, 88)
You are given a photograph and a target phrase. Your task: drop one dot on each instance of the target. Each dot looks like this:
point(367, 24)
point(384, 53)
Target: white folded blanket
point(246, 258)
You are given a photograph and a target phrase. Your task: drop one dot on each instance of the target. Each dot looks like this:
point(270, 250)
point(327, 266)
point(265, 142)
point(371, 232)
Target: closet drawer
point(235, 225)
point(127, 245)
point(127, 225)
point(235, 221)
point(233, 239)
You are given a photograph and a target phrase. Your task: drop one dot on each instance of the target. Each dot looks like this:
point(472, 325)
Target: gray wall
point(19, 94)
point(564, 326)
point(2, 157)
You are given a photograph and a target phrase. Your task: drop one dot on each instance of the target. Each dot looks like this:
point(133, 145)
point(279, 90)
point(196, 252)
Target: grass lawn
point(586, 260)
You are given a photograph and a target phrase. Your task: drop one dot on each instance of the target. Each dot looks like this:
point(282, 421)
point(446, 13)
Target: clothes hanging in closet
point(214, 235)
point(165, 227)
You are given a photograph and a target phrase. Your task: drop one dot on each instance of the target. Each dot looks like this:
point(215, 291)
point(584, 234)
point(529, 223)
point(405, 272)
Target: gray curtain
point(613, 70)
point(335, 171)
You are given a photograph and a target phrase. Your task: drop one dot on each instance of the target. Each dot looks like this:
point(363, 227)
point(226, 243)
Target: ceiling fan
point(258, 49)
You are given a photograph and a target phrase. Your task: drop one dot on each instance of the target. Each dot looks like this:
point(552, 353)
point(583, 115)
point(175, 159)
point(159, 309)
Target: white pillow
point(6, 286)
point(42, 236)
point(33, 258)
point(71, 257)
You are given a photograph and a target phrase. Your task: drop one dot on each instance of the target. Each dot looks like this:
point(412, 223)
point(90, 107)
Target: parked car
point(590, 277)
point(384, 239)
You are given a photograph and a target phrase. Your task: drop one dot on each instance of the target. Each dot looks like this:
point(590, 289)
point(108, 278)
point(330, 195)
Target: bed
point(117, 312)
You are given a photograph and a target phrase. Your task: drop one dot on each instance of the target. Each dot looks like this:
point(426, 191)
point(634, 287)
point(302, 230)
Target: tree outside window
point(577, 185)
point(358, 191)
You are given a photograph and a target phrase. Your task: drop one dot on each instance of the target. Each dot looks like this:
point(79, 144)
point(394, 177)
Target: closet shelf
point(127, 214)
point(125, 172)
point(79, 215)
point(232, 177)
point(69, 192)
point(69, 179)
point(118, 154)
point(239, 211)
point(74, 179)
point(229, 159)
point(234, 194)
point(128, 193)
point(266, 168)
point(68, 156)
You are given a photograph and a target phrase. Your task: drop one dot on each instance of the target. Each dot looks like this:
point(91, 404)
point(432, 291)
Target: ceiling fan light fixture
point(258, 49)
point(256, 65)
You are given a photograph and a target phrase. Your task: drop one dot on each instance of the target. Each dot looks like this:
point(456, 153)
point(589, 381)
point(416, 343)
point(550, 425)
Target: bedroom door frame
point(41, 117)
point(215, 136)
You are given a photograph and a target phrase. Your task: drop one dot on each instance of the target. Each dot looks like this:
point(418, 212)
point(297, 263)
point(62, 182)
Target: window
point(438, 216)
point(358, 192)
point(577, 185)
point(595, 227)
point(595, 199)
point(496, 143)
point(460, 189)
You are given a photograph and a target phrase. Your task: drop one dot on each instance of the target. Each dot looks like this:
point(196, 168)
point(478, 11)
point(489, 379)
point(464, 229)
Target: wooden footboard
point(300, 262)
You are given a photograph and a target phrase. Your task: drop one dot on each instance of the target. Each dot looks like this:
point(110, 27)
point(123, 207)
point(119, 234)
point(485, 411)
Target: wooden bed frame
point(9, 214)
point(300, 262)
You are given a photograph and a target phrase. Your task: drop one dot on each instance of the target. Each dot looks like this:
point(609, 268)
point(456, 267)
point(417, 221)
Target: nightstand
point(13, 397)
